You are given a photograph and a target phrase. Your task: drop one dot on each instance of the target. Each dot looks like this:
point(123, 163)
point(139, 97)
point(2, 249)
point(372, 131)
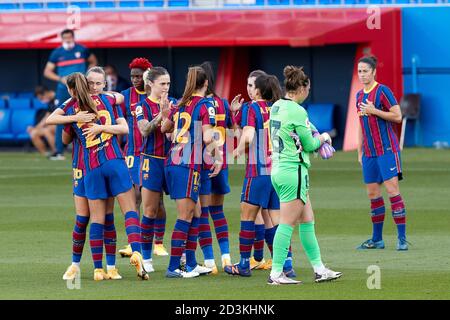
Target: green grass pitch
point(37, 215)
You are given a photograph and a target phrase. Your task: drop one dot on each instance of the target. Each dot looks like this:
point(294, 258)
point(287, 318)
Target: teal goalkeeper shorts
point(291, 183)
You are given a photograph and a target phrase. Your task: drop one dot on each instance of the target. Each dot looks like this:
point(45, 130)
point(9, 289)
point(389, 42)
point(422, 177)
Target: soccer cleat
point(100, 274)
point(267, 265)
point(214, 270)
point(257, 265)
point(402, 244)
point(71, 272)
point(148, 266)
point(201, 270)
point(136, 261)
point(181, 274)
point(159, 250)
point(327, 275)
point(113, 274)
point(282, 279)
point(236, 270)
point(126, 252)
point(57, 157)
point(225, 262)
point(370, 244)
point(290, 273)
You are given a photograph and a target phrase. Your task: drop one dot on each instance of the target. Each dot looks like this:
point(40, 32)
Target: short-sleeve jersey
point(378, 135)
point(187, 143)
point(132, 97)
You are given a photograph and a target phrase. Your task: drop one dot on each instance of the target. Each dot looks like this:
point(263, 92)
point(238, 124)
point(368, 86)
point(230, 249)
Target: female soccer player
point(149, 115)
point(379, 152)
point(106, 172)
point(133, 97)
point(257, 192)
point(264, 229)
point(96, 86)
point(212, 190)
point(290, 130)
point(192, 125)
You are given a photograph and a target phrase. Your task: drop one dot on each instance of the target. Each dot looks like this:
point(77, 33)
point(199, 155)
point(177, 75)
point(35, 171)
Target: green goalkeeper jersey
point(290, 129)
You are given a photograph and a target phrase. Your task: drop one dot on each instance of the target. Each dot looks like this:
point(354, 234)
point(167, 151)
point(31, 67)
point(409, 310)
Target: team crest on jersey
point(77, 55)
point(138, 110)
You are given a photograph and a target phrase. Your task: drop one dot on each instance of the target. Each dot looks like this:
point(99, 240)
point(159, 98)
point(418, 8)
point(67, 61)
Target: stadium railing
point(51, 5)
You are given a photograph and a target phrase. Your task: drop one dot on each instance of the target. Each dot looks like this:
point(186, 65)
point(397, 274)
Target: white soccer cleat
point(148, 266)
point(326, 275)
point(201, 270)
point(281, 279)
point(181, 274)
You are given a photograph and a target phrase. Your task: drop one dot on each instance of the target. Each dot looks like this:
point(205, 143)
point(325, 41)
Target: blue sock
point(246, 239)
point(204, 234)
point(191, 243)
point(179, 236)
point(221, 228)
point(147, 232)
point(269, 235)
point(377, 216)
point(133, 230)
point(110, 238)
point(258, 245)
point(79, 237)
point(96, 242)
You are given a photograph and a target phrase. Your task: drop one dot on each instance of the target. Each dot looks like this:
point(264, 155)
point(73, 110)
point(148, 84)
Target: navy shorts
point(183, 182)
point(152, 174)
point(259, 191)
point(134, 165)
point(78, 183)
point(205, 183)
point(219, 184)
point(108, 180)
point(382, 168)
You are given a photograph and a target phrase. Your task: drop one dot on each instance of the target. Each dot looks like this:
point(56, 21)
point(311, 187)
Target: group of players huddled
point(179, 147)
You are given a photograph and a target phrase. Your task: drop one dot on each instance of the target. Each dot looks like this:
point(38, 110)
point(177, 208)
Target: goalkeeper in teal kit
point(293, 140)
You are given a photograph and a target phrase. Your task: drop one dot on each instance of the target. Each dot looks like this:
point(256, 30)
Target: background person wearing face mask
point(68, 58)
point(114, 82)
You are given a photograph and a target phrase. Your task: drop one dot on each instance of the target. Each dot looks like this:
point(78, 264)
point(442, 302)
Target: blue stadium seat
point(81, 4)
point(2, 104)
point(321, 115)
point(32, 5)
point(20, 120)
point(129, 4)
point(402, 1)
point(278, 2)
point(178, 3)
point(25, 95)
point(5, 125)
point(37, 104)
point(330, 2)
point(105, 4)
point(154, 3)
point(19, 103)
point(8, 6)
point(56, 5)
point(305, 2)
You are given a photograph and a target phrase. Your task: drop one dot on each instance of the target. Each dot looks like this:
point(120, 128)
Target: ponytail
point(78, 83)
point(196, 78)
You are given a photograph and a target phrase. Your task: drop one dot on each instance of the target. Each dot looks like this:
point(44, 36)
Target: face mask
point(68, 45)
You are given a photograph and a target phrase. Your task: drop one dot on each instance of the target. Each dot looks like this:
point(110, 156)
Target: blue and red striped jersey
point(224, 121)
point(133, 97)
point(156, 143)
point(77, 149)
point(378, 135)
point(187, 143)
point(104, 146)
point(256, 114)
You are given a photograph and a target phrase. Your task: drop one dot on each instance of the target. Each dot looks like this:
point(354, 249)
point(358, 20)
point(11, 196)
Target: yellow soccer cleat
point(126, 252)
point(214, 270)
point(257, 265)
point(113, 274)
point(71, 272)
point(267, 265)
point(100, 274)
point(159, 250)
point(138, 263)
point(225, 262)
